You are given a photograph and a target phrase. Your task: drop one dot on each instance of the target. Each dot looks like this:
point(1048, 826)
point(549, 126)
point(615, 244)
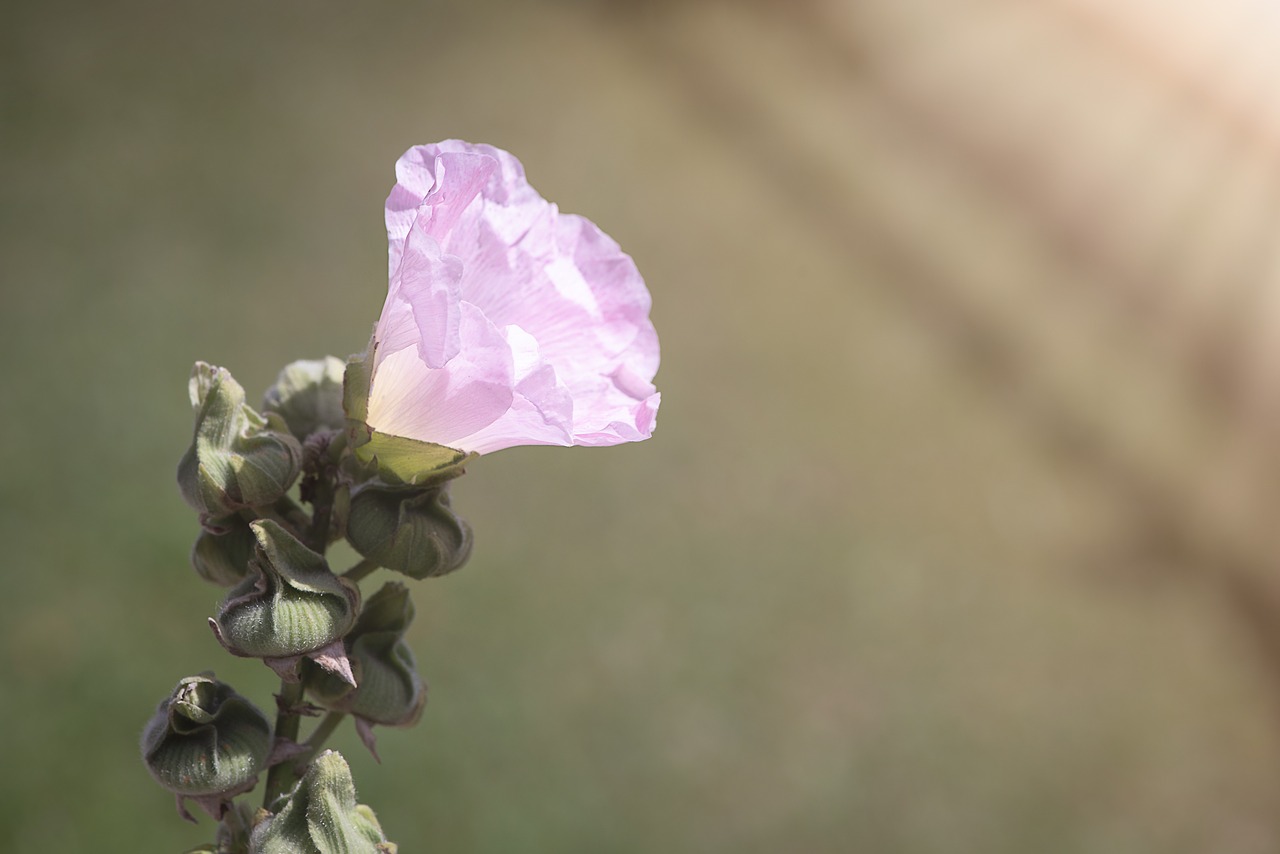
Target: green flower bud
point(288, 605)
point(321, 816)
point(206, 742)
point(308, 396)
point(414, 532)
point(222, 552)
point(237, 457)
point(388, 689)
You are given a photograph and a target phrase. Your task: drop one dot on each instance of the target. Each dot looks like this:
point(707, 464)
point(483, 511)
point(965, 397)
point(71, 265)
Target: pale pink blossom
point(506, 322)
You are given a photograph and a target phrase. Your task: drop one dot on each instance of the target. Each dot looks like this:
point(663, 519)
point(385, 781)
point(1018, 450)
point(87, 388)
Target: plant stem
point(318, 491)
point(234, 821)
point(321, 733)
point(361, 570)
point(281, 777)
point(321, 510)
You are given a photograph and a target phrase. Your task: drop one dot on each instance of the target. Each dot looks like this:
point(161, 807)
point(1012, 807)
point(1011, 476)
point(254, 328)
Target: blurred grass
point(835, 605)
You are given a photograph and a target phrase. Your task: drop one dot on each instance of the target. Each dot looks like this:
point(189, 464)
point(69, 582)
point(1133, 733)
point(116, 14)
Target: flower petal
point(568, 305)
point(433, 185)
point(409, 398)
point(541, 412)
point(428, 282)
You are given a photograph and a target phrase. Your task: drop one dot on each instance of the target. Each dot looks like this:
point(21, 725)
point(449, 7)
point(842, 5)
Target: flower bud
point(206, 742)
point(222, 552)
point(289, 604)
point(308, 396)
point(388, 689)
point(414, 532)
point(237, 457)
point(321, 816)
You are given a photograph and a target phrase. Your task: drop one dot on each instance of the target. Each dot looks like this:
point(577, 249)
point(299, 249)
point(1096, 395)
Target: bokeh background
point(957, 530)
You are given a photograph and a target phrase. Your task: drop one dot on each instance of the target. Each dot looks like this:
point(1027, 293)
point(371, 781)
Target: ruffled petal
point(569, 305)
point(541, 411)
point(429, 282)
point(433, 188)
point(411, 399)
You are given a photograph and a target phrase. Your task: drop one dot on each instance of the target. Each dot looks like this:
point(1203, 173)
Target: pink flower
point(506, 322)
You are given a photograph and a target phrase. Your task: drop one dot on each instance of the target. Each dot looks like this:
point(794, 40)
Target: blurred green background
point(955, 534)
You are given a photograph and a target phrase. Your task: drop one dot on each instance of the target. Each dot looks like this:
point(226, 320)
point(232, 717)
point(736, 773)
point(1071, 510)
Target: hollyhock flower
point(506, 322)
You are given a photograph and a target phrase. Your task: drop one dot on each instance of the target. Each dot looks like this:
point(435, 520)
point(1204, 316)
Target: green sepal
point(289, 604)
point(238, 457)
point(308, 396)
point(388, 689)
point(395, 460)
point(356, 382)
point(321, 816)
point(206, 740)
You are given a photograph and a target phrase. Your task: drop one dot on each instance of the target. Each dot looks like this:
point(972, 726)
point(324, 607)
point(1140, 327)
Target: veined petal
point(429, 282)
point(459, 179)
point(541, 411)
point(572, 310)
point(627, 412)
point(434, 183)
point(409, 398)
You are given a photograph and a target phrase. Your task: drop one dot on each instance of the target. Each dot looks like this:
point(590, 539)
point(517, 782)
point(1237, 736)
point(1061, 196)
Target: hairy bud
point(321, 816)
point(289, 605)
point(222, 552)
point(414, 532)
point(206, 742)
point(308, 396)
point(388, 689)
point(238, 458)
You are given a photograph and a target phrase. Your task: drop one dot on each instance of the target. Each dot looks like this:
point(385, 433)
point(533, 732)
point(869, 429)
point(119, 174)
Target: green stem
point(361, 570)
point(321, 511)
point(281, 777)
point(238, 830)
point(321, 733)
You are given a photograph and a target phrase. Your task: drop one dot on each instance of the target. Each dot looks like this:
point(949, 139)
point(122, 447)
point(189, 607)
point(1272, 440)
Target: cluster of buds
point(505, 323)
point(285, 605)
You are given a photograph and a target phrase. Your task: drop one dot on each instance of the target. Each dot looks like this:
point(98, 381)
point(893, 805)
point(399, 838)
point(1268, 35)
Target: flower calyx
point(321, 816)
point(412, 531)
point(307, 394)
point(389, 690)
point(207, 743)
point(288, 606)
point(238, 458)
point(393, 460)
